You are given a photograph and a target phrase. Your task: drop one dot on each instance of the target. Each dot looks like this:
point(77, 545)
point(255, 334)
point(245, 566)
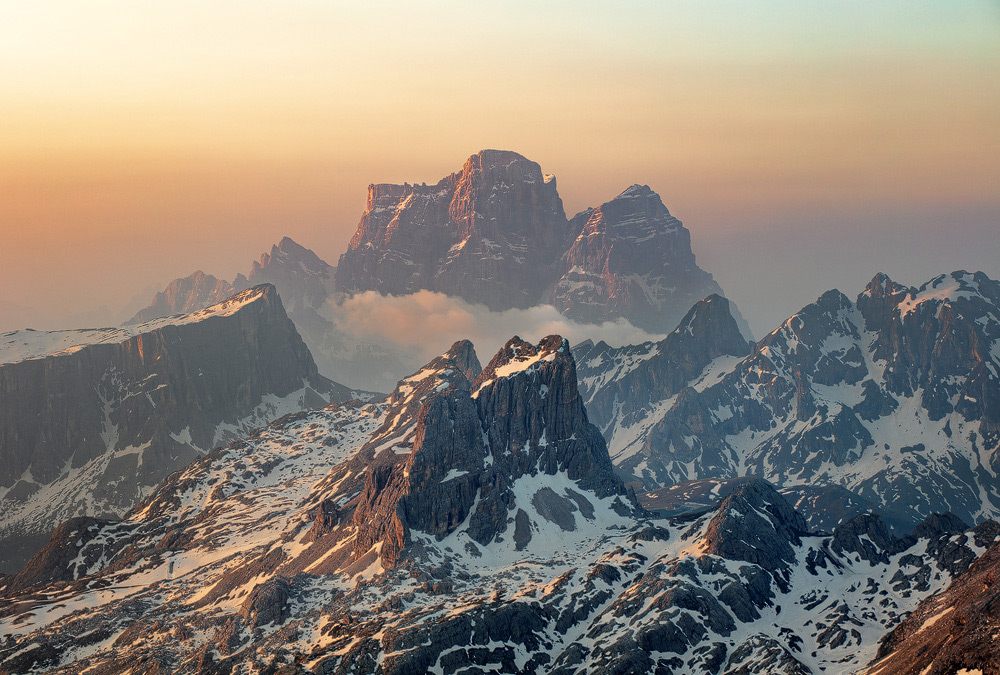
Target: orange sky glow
point(141, 141)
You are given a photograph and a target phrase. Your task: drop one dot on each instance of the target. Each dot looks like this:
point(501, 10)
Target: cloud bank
point(427, 324)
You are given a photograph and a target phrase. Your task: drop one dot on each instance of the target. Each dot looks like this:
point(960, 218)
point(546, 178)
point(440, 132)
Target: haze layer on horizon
point(806, 145)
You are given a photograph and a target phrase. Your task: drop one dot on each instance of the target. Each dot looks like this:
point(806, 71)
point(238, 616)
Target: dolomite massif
point(496, 234)
point(493, 234)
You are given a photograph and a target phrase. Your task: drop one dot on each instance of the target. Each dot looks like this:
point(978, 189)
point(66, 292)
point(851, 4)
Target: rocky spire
point(522, 417)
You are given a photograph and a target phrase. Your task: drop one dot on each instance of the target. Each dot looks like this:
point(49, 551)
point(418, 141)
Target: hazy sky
point(806, 144)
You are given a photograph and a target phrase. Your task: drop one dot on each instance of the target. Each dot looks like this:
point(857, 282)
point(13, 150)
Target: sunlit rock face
point(495, 234)
point(952, 631)
point(490, 234)
point(92, 420)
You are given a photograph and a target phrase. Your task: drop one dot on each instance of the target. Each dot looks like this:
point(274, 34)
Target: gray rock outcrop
point(91, 429)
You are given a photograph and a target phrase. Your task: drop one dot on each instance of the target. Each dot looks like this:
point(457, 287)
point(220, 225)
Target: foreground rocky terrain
point(472, 522)
point(893, 396)
point(950, 632)
point(93, 420)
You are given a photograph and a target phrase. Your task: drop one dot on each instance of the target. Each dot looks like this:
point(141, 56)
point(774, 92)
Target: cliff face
point(89, 429)
point(480, 444)
point(631, 259)
point(490, 234)
point(495, 234)
point(305, 283)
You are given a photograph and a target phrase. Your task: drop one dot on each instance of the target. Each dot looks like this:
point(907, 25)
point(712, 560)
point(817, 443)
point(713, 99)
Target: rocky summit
point(631, 259)
point(471, 522)
point(490, 234)
point(93, 420)
point(893, 396)
point(495, 233)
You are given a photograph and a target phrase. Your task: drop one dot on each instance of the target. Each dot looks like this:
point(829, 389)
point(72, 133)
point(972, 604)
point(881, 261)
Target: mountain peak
point(463, 353)
point(490, 234)
point(881, 288)
point(754, 523)
point(631, 259)
point(470, 452)
point(289, 252)
point(184, 295)
point(287, 243)
point(711, 329)
point(881, 281)
point(517, 356)
point(636, 190)
point(866, 535)
point(637, 211)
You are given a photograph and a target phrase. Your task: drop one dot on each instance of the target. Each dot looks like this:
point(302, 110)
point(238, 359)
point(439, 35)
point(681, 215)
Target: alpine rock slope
point(894, 396)
point(93, 420)
point(471, 522)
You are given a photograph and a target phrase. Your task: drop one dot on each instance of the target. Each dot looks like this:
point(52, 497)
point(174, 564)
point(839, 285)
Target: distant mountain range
point(819, 501)
point(493, 234)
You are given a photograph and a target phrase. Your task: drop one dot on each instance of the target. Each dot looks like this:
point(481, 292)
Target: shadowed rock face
point(894, 396)
point(90, 430)
point(621, 384)
point(631, 259)
point(495, 234)
point(757, 525)
point(521, 416)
